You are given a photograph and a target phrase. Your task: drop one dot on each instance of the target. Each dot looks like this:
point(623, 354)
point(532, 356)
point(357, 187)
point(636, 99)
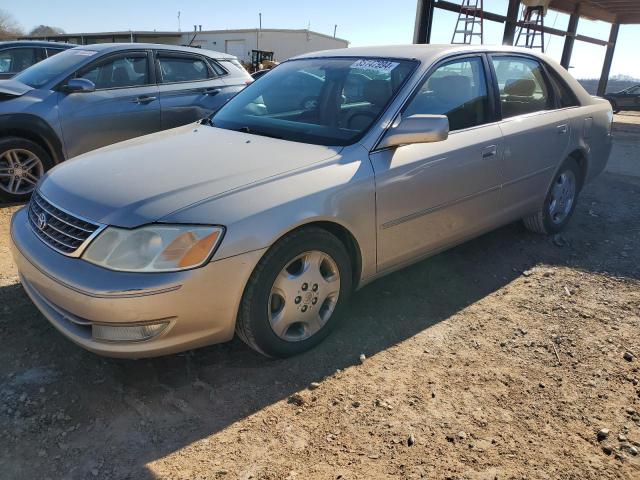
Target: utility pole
point(335, 27)
point(179, 20)
point(258, 32)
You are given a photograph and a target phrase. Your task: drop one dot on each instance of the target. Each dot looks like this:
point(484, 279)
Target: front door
point(433, 195)
point(124, 105)
point(536, 134)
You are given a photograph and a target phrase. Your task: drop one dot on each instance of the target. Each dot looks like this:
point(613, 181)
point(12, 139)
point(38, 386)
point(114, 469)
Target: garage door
point(237, 48)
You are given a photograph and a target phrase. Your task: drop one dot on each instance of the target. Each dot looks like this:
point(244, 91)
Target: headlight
point(154, 248)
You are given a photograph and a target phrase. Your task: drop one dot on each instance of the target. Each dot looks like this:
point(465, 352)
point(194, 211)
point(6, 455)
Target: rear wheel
point(22, 164)
point(294, 296)
point(614, 106)
point(560, 201)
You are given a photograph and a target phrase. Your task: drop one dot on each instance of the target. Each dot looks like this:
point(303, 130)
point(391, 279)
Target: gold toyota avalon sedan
point(332, 170)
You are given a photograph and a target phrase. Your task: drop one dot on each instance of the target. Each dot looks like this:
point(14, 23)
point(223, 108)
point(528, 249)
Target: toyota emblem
point(42, 221)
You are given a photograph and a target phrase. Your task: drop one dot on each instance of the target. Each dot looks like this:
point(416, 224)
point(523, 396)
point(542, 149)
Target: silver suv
point(91, 96)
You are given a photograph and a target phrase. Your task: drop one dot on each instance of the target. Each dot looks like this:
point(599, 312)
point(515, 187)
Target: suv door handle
point(211, 91)
point(489, 151)
point(562, 129)
point(144, 99)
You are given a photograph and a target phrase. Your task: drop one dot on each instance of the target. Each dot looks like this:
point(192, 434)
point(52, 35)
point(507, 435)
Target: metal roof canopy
point(616, 12)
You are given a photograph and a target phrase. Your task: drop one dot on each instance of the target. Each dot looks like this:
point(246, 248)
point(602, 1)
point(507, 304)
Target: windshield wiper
point(207, 121)
point(246, 129)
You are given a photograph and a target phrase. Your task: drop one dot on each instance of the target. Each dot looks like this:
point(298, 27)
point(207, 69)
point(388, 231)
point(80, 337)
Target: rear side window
point(54, 51)
point(457, 89)
point(119, 72)
point(217, 68)
point(15, 60)
point(182, 68)
point(522, 85)
point(566, 97)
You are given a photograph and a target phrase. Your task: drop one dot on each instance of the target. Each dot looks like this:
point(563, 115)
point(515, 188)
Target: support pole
point(510, 22)
point(608, 58)
point(424, 21)
point(570, 39)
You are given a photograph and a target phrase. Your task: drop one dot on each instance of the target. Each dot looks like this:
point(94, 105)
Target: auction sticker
point(378, 66)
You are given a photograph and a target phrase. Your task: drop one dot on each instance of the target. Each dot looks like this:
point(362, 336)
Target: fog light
point(126, 333)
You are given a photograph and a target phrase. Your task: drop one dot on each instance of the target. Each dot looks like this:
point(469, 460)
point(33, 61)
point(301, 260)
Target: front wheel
point(560, 201)
point(22, 164)
point(294, 296)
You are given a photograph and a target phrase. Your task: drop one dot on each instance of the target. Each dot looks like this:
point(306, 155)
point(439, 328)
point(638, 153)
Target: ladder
point(531, 32)
point(469, 16)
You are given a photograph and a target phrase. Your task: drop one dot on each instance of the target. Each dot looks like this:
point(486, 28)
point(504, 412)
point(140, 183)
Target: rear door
point(124, 105)
point(191, 87)
point(536, 132)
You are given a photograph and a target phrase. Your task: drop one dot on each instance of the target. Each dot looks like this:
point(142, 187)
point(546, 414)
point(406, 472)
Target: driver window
point(129, 71)
point(457, 89)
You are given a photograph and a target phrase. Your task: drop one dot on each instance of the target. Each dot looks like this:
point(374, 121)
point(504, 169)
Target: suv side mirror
point(417, 129)
point(79, 85)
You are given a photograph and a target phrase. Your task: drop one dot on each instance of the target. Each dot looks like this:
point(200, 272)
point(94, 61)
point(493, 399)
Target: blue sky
point(363, 22)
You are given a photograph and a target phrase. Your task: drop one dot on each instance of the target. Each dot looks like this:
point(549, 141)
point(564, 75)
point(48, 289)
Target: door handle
point(144, 99)
point(562, 129)
point(211, 91)
point(489, 151)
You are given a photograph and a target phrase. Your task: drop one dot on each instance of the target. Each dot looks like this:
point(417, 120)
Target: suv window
point(457, 89)
point(15, 60)
point(522, 85)
point(54, 51)
point(217, 68)
point(122, 71)
point(182, 68)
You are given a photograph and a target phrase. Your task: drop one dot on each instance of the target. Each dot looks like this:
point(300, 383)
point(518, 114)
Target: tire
point(614, 106)
point(16, 153)
point(270, 298)
point(549, 220)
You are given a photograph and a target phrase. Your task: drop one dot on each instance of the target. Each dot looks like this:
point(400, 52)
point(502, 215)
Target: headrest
point(377, 92)
point(451, 87)
point(120, 75)
point(140, 65)
point(522, 87)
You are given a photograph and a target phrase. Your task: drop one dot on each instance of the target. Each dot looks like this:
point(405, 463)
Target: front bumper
point(200, 305)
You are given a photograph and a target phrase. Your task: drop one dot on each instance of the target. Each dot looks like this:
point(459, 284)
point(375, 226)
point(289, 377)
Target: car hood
point(142, 180)
point(13, 88)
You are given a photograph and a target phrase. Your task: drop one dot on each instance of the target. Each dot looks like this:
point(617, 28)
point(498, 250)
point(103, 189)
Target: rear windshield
point(323, 101)
point(42, 73)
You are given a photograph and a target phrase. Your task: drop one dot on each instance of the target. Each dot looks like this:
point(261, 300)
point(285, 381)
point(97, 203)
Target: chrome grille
point(60, 230)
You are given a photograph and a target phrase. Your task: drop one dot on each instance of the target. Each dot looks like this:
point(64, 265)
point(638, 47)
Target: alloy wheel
point(563, 194)
point(20, 171)
point(304, 295)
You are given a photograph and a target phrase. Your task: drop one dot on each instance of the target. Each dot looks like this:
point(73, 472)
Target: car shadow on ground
point(140, 411)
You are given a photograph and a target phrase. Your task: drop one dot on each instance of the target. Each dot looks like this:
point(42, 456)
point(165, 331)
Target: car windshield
point(323, 101)
point(42, 73)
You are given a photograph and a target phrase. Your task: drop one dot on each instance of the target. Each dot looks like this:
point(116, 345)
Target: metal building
point(284, 43)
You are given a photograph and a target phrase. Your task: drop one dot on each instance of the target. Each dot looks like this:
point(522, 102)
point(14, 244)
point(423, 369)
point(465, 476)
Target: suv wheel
point(293, 298)
point(22, 164)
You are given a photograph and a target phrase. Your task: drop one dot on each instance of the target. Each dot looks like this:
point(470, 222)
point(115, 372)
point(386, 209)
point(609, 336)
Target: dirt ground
point(502, 358)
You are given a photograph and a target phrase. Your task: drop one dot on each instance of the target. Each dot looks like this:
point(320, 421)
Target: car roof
point(35, 43)
point(430, 53)
point(423, 52)
point(117, 47)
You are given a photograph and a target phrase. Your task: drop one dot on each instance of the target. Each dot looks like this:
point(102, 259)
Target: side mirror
point(79, 85)
point(417, 129)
